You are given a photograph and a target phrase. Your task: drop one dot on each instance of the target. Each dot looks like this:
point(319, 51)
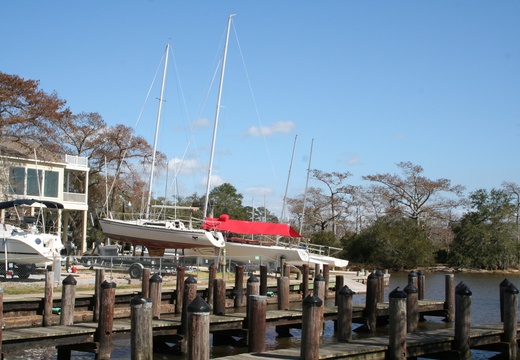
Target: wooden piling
point(141, 333)
point(311, 328)
point(397, 325)
point(326, 278)
point(155, 290)
point(211, 284)
point(462, 321)
point(283, 288)
point(421, 284)
point(179, 289)
point(371, 302)
point(104, 332)
point(263, 280)
point(344, 326)
point(511, 321)
point(340, 282)
point(48, 299)
point(286, 270)
point(239, 286)
point(412, 308)
point(219, 297)
point(99, 278)
point(257, 325)
point(252, 288)
point(68, 299)
point(198, 329)
point(412, 278)
point(190, 293)
point(305, 280)
point(502, 287)
point(449, 297)
point(145, 282)
point(380, 285)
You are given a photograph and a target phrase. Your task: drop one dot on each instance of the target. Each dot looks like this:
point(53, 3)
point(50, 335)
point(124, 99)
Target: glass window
point(33, 182)
point(16, 180)
point(51, 184)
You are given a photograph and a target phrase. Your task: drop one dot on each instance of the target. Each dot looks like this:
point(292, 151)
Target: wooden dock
point(80, 336)
point(432, 343)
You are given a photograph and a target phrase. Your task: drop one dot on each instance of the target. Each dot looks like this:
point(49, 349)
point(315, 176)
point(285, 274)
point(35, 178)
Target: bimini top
point(13, 203)
point(224, 223)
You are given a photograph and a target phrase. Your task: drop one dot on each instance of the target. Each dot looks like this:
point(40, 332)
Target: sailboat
point(158, 235)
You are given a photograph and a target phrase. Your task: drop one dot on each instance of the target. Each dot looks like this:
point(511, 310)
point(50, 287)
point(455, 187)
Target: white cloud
point(281, 127)
point(216, 180)
point(349, 159)
point(186, 167)
point(202, 122)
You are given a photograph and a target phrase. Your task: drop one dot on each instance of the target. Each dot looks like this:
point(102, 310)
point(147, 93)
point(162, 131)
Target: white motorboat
point(31, 244)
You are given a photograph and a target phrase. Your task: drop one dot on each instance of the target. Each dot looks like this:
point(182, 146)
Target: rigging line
point(135, 126)
point(254, 101)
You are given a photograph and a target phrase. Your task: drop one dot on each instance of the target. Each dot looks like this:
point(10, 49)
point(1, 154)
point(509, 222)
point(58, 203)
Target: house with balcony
point(34, 173)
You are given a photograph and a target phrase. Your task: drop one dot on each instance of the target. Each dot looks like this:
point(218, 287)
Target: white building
point(37, 174)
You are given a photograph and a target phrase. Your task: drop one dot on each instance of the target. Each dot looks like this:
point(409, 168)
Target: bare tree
point(415, 195)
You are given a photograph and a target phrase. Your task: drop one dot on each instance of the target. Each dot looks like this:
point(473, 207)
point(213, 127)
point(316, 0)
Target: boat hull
point(29, 248)
point(159, 236)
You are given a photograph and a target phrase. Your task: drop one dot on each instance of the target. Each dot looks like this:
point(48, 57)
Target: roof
point(13, 203)
point(224, 223)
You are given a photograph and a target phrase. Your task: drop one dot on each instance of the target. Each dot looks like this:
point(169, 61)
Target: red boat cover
point(224, 223)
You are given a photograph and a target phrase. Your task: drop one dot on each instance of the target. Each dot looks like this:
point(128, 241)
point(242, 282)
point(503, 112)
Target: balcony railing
point(76, 160)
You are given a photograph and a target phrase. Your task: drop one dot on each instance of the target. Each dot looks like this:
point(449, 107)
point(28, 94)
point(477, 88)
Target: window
point(34, 182)
point(51, 184)
point(17, 180)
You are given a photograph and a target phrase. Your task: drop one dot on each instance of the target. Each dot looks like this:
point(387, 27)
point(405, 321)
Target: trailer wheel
point(136, 270)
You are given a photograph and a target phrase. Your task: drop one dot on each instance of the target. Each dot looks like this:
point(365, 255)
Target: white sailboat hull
point(160, 234)
point(293, 255)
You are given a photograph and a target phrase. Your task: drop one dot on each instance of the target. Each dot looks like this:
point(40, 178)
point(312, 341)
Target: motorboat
point(28, 243)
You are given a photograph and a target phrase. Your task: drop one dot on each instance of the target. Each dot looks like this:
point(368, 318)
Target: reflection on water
point(485, 309)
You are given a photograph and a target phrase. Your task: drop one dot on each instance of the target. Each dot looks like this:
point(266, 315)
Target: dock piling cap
point(253, 279)
point(397, 294)
point(463, 289)
point(69, 280)
point(140, 300)
point(108, 285)
point(198, 305)
point(312, 300)
point(346, 291)
point(511, 289)
point(156, 278)
point(190, 280)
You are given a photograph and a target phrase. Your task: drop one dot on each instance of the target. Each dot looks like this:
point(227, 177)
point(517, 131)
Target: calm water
point(485, 309)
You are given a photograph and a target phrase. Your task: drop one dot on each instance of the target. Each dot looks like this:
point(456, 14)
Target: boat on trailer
point(28, 243)
point(294, 251)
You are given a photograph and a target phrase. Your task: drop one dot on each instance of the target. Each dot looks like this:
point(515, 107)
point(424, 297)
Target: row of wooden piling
point(195, 312)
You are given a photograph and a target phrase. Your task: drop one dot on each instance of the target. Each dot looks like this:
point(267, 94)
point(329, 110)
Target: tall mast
point(217, 113)
point(157, 132)
point(282, 217)
point(306, 187)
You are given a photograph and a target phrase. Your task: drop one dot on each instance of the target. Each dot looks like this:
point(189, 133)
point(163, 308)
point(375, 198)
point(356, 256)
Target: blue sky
point(373, 83)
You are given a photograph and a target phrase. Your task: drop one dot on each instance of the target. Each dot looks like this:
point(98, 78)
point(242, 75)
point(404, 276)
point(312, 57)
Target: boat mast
point(306, 187)
point(157, 132)
point(282, 217)
point(217, 113)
